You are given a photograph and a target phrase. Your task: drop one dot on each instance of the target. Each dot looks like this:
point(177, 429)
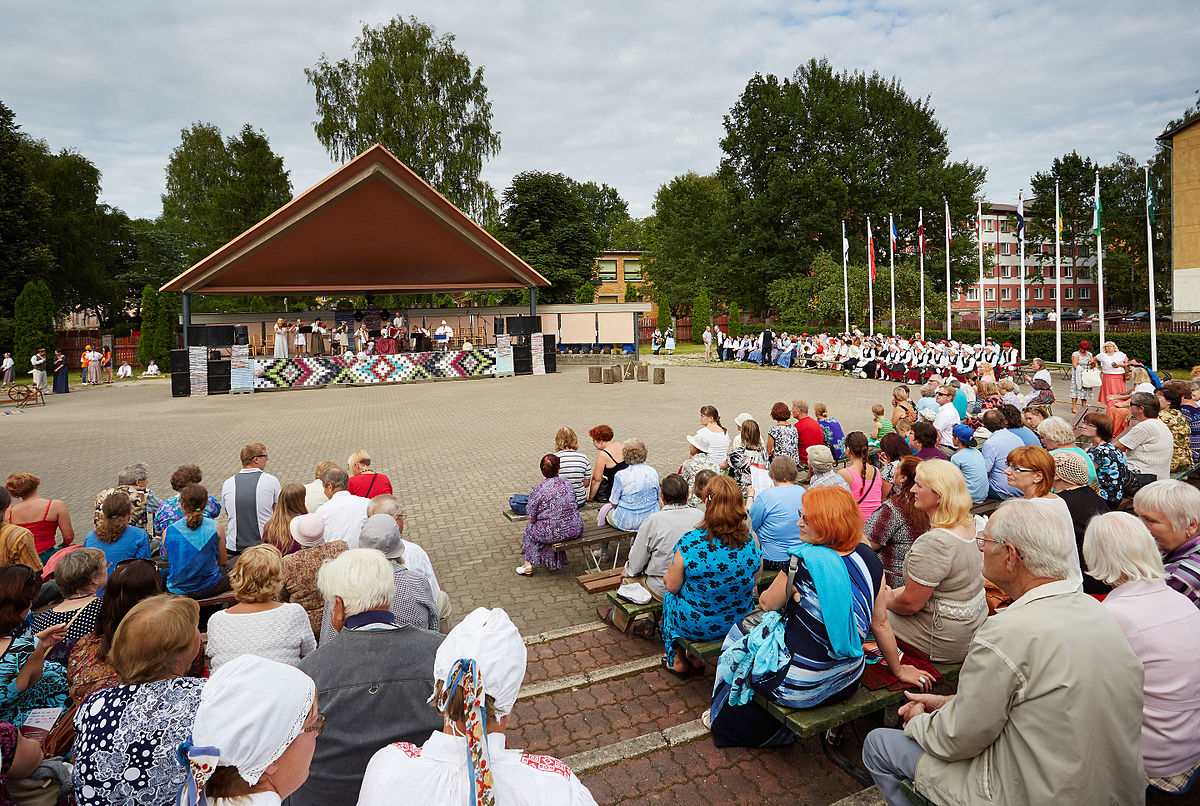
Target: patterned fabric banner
point(284, 373)
point(241, 369)
point(198, 370)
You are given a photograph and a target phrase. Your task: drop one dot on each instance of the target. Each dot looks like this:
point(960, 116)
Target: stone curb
point(590, 760)
point(586, 678)
point(564, 632)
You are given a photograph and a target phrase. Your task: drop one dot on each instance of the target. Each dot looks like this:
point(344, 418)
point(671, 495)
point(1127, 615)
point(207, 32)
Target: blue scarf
point(832, 583)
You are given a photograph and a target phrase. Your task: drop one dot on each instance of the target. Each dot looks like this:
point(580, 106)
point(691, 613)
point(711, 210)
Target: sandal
point(699, 664)
point(525, 570)
point(706, 719)
point(604, 614)
point(681, 675)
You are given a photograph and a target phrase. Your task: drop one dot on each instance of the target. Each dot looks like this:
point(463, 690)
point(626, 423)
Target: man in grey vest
point(249, 498)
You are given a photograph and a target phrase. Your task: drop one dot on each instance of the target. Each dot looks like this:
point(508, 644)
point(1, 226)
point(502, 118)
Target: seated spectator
point(960, 396)
point(635, 490)
point(314, 491)
point(820, 462)
point(1031, 470)
point(170, 511)
point(1170, 509)
point(783, 439)
point(365, 482)
point(249, 498)
point(892, 449)
point(1147, 444)
point(1112, 473)
point(835, 601)
point(343, 514)
point(261, 719)
point(16, 542)
point(1191, 413)
point(468, 760)
point(773, 513)
point(45, 518)
point(735, 439)
point(718, 435)
point(892, 529)
point(257, 624)
point(125, 370)
point(711, 580)
point(1163, 628)
point(115, 536)
point(80, 575)
point(926, 437)
point(1015, 421)
point(1041, 394)
point(866, 482)
point(1033, 416)
point(89, 668)
point(373, 680)
point(941, 604)
point(1057, 435)
point(412, 599)
point(415, 558)
point(948, 416)
point(195, 549)
point(1008, 393)
point(995, 453)
point(299, 570)
point(750, 454)
point(808, 432)
point(152, 370)
point(700, 484)
point(144, 503)
point(989, 396)
point(573, 465)
point(928, 399)
point(278, 531)
point(23, 659)
point(970, 463)
point(1070, 484)
point(1008, 726)
point(610, 459)
point(883, 425)
point(127, 736)
point(553, 517)
point(835, 437)
point(902, 407)
point(698, 459)
point(1170, 403)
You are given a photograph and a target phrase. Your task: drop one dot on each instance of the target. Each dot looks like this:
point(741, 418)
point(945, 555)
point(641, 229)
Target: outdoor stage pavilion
point(372, 227)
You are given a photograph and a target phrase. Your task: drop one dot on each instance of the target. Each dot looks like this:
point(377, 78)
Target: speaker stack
point(221, 335)
point(549, 354)
point(197, 336)
point(241, 334)
point(522, 359)
point(181, 381)
point(218, 377)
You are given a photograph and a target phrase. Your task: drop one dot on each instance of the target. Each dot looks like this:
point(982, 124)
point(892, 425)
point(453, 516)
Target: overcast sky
point(626, 93)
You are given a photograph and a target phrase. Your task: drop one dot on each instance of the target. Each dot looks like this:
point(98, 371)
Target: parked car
point(1109, 317)
point(1144, 316)
point(1070, 316)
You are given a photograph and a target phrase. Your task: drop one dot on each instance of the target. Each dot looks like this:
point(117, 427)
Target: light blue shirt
point(635, 493)
point(974, 469)
point(773, 516)
point(929, 403)
point(1027, 437)
point(995, 461)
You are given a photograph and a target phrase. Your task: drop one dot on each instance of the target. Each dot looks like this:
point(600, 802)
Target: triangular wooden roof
point(373, 225)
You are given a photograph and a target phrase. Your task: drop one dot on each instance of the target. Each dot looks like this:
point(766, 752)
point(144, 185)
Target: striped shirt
point(1183, 569)
point(577, 469)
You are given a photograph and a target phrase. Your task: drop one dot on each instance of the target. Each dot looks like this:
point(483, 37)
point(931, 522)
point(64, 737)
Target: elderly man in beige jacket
point(1049, 700)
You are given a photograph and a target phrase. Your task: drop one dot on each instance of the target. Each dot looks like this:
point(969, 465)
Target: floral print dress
point(1181, 433)
point(835, 438)
point(718, 589)
point(49, 692)
point(786, 441)
point(1112, 472)
point(741, 459)
point(553, 517)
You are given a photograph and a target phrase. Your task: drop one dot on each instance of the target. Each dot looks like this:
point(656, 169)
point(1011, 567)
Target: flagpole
point(892, 268)
point(1099, 258)
point(845, 275)
point(979, 237)
point(1021, 242)
point(1150, 256)
point(870, 281)
point(921, 254)
point(1057, 278)
point(947, 268)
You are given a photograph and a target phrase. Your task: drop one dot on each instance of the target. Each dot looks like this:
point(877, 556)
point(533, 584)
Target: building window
point(1004, 272)
point(1045, 249)
point(1037, 293)
point(608, 271)
point(1006, 248)
point(972, 295)
point(1050, 292)
point(1004, 225)
point(989, 225)
point(633, 271)
point(1085, 293)
point(989, 294)
point(1067, 272)
point(1005, 294)
point(1084, 273)
point(1068, 293)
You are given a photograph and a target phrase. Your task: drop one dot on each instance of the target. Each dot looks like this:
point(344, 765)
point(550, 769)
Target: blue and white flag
point(1020, 216)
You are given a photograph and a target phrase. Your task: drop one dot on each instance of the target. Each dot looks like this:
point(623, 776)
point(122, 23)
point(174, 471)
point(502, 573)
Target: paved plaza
point(455, 450)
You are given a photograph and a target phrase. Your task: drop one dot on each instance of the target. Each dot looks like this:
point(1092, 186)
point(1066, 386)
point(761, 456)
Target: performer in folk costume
point(964, 363)
point(443, 335)
point(851, 355)
point(991, 353)
point(1009, 358)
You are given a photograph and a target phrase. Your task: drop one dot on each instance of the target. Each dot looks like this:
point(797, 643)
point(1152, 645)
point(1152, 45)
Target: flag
point(845, 246)
point(1058, 213)
point(894, 236)
point(870, 250)
point(1096, 208)
point(1020, 216)
point(921, 233)
point(1149, 198)
point(949, 231)
point(979, 221)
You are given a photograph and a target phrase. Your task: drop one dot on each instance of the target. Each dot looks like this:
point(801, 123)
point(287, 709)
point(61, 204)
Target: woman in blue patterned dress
point(553, 517)
point(27, 679)
point(1112, 472)
point(835, 438)
point(710, 582)
point(833, 604)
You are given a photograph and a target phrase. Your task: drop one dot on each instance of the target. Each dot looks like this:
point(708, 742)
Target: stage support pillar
point(187, 316)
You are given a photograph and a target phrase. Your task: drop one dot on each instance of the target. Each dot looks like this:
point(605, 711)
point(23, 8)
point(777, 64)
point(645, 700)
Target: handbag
point(1090, 378)
point(755, 616)
point(61, 738)
point(518, 503)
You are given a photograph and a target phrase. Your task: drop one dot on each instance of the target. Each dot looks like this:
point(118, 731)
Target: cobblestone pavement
point(455, 451)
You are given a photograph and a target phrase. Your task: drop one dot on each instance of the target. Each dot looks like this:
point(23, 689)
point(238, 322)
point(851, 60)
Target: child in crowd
point(701, 481)
point(883, 425)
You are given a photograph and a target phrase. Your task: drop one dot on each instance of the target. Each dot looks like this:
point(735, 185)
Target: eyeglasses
point(260, 456)
point(317, 726)
point(981, 538)
point(1017, 469)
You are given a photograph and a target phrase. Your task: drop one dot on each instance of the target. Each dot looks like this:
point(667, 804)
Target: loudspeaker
point(522, 360)
point(214, 355)
point(218, 384)
point(217, 369)
point(547, 344)
point(520, 325)
point(498, 326)
point(181, 383)
point(197, 336)
point(551, 361)
point(241, 334)
point(220, 336)
point(179, 362)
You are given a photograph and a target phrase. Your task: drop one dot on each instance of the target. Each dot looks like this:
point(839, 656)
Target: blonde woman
point(282, 332)
point(258, 624)
point(941, 604)
point(1112, 371)
point(365, 482)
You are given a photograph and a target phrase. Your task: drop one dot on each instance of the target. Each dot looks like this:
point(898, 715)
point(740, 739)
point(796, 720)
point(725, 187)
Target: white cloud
point(628, 93)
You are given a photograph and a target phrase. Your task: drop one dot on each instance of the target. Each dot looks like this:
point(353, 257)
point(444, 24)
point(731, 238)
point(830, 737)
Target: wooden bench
point(592, 537)
point(588, 506)
point(914, 797)
point(220, 600)
point(601, 581)
point(986, 508)
point(629, 612)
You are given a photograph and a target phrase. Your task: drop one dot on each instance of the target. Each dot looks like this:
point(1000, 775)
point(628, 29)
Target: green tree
point(805, 153)
point(24, 212)
point(629, 235)
point(701, 316)
point(735, 320)
point(607, 210)
point(160, 312)
point(546, 220)
point(664, 315)
point(409, 89)
point(688, 240)
point(631, 292)
point(1076, 178)
point(585, 294)
point(33, 323)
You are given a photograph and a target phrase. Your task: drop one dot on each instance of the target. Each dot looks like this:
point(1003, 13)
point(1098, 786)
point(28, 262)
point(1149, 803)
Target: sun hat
point(700, 440)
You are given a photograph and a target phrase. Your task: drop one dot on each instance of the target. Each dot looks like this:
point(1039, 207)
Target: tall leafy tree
point(689, 241)
point(806, 152)
point(160, 312)
point(33, 322)
point(629, 235)
point(607, 210)
point(409, 89)
point(1076, 177)
point(24, 214)
point(546, 219)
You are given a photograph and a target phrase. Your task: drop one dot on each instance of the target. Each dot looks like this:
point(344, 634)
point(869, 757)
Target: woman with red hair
point(834, 602)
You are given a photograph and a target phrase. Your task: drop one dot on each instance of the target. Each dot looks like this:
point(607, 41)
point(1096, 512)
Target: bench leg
point(829, 743)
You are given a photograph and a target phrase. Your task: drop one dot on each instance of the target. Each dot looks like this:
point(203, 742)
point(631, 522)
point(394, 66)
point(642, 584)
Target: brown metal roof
point(372, 225)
